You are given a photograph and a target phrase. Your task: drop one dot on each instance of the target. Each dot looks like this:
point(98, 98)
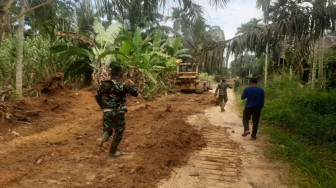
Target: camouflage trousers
point(114, 122)
point(222, 100)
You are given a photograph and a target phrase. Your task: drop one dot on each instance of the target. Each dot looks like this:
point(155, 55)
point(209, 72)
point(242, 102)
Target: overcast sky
point(232, 16)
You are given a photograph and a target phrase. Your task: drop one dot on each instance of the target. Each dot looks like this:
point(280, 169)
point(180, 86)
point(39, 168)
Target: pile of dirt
point(21, 113)
point(57, 148)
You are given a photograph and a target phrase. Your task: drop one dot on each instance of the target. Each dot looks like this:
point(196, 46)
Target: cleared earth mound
point(51, 141)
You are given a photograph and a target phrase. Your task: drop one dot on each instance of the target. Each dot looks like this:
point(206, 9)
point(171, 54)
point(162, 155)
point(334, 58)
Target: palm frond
point(218, 3)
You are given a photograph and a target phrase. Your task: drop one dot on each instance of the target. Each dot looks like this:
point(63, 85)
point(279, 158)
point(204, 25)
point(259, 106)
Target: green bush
point(307, 170)
point(206, 77)
point(311, 114)
point(301, 124)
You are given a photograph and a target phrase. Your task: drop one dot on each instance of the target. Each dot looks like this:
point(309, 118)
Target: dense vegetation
point(81, 39)
point(311, 114)
point(301, 122)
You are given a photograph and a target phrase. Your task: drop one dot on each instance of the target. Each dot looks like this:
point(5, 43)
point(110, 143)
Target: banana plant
point(94, 58)
point(153, 56)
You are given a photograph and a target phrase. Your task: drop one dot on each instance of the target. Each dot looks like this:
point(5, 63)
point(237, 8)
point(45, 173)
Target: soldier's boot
point(222, 109)
point(113, 150)
point(104, 137)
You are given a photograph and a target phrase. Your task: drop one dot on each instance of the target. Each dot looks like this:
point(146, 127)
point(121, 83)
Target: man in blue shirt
point(255, 102)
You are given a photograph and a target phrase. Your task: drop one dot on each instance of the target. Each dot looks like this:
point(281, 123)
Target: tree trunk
point(290, 72)
point(203, 61)
point(320, 67)
point(266, 64)
point(314, 69)
point(19, 52)
point(300, 67)
point(227, 60)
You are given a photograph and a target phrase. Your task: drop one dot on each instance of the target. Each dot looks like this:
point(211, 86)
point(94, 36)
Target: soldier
point(222, 86)
point(236, 85)
point(111, 97)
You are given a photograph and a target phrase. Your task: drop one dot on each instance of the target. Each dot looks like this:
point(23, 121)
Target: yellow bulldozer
point(188, 78)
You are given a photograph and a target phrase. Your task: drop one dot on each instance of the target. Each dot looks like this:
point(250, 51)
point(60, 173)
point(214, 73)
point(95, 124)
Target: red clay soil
point(56, 146)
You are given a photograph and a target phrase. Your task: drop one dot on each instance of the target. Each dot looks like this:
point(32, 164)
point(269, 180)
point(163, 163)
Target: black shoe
point(246, 133)
point(253, 137)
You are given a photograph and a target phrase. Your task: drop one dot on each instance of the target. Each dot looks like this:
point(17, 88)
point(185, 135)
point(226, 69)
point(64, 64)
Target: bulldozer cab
point(188, 78)
point(187, 70)
point(187, 67)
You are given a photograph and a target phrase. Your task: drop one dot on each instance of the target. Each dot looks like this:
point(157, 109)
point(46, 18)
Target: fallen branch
point(44, 86)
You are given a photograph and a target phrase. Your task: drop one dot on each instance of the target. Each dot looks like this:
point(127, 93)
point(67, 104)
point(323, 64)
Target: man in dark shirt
point(255, 102)
point(111, 97)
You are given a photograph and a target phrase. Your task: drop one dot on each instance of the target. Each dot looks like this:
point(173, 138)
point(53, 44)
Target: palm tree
point(245, 66)
point(304, 25)
point(264, 5)
point(6, 20)
point(19, 52)
point(5, 25)
point(136, 13)
point(197, 36)
point(246, 27)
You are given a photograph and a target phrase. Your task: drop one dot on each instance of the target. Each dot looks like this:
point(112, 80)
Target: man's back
point(255, 97)
point(112, 94)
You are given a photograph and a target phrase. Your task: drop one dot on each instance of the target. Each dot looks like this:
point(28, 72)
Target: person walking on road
point(221, 89)
point(255, 102)
point(111, 98)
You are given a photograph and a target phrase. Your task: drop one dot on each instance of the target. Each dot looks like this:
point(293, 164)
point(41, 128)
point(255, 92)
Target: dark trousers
point(255, 113)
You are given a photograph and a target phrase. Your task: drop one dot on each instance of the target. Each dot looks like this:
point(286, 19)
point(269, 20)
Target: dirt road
point(179, 140)
point(228, 160)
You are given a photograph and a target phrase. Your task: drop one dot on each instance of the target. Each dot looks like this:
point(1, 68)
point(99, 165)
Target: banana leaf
point(73, 50)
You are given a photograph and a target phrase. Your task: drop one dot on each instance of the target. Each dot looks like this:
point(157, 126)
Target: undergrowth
point(206, 77)
point(301, 125)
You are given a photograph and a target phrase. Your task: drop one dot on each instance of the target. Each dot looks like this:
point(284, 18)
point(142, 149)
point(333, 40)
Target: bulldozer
point(188, 79)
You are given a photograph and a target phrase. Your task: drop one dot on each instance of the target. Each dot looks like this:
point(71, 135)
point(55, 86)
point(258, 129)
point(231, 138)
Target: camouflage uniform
point(221, 89)
point(111, 97)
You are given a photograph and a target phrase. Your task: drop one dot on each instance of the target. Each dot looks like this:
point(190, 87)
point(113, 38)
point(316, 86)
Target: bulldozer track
point(219, 163)
point(228, 160)
point(215, 166)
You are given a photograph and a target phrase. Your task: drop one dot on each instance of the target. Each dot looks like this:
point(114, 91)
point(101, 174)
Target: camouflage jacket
point(112, 95)
point(221, 88)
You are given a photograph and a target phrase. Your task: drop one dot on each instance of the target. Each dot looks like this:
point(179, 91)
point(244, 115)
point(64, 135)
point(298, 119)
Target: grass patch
point(307, 170)
point(206, 77)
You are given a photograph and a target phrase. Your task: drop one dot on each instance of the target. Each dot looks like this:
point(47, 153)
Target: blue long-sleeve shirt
point(255, 97)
